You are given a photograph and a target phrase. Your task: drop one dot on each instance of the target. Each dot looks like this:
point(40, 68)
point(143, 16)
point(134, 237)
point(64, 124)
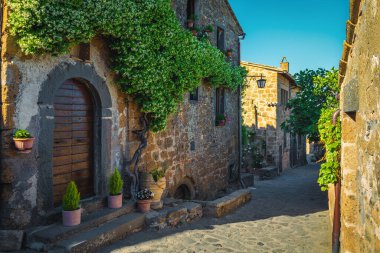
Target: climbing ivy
point(156, 59)
point(330, 134)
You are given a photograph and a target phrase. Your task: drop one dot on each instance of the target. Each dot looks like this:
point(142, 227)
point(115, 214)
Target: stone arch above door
point(86, 74)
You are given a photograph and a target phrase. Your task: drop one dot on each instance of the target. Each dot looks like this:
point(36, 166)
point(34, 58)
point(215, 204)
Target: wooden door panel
point(73, 140)
point(63, 127)
point(81, 149)
point(62, 151)
point(62, 160)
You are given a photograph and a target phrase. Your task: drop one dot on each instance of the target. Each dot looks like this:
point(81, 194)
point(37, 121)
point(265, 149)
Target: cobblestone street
point(286, 214)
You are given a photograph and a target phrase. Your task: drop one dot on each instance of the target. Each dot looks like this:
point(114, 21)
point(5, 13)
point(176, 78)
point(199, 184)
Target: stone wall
point(27, 89)
point(215, 149)
point(360, 158)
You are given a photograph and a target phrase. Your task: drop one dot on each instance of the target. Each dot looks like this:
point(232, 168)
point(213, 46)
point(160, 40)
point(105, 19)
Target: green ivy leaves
point(157, 60)
point(330, 135)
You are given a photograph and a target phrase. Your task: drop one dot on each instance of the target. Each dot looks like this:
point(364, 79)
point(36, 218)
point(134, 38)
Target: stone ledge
point(173, 216)
point(222, 206)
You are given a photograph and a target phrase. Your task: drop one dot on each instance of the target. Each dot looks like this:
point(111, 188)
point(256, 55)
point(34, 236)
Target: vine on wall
point(330, 135)
point(157, 60)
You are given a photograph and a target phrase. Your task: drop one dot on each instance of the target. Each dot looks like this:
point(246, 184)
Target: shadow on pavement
point(294, 193)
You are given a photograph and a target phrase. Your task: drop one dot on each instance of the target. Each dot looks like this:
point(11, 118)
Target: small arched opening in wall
point(184, 190)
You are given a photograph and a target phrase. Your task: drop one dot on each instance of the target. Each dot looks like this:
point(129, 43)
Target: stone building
point(360, 115)
point(53, 96)
point(264, 111)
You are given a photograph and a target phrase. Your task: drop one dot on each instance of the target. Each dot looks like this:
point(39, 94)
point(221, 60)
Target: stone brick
point(177, 216)
point(11, 240)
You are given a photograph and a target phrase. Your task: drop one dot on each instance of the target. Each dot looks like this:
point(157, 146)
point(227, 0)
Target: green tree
point(318, 87)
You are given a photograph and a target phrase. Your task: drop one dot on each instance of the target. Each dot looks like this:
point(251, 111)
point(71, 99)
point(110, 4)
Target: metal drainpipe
point(1, 105)
point(336, 222)
point(239, 126)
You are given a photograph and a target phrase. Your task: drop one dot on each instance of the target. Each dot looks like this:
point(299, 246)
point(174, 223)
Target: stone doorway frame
point(97, 86)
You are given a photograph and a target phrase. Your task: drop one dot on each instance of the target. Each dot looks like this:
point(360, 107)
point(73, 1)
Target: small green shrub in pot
point(115, 199)
point(158, 187)
point(71, 213)
point(23, 141)
point(115, 183)
point(71, 198)
point(157, 174)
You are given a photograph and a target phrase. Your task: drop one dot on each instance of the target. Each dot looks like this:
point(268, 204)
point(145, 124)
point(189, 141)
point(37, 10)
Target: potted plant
point(221, 119)
point(229, 53)
point(115, 199)
point(208, 29)
point(23, 140)
point(143, 200)
point(71, 213)
point(158, 187)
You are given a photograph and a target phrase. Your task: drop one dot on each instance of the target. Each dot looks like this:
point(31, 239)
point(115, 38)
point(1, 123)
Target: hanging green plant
point(157, 60)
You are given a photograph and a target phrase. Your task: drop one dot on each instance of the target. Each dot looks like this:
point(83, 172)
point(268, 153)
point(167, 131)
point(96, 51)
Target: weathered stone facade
point(194, 151)
point(360, 105)
point(263, 112)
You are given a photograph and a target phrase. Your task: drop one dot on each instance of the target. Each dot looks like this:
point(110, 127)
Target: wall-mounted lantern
point(260, 82)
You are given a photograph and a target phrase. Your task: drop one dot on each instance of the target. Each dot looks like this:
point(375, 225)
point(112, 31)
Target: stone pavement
point(287, 214)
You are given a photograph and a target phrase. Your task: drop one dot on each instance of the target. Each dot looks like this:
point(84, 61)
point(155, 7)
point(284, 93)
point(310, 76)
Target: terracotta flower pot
point(158, 189)
point(143, 205)
point(115, 201)
point(229, 54)
point(71, 218)
point(24, 144)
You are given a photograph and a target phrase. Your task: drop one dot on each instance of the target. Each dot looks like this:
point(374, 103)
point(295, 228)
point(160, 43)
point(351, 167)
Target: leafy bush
point(71, 198)
point(115, 183)
point(156, 59)
point(157, 174)
point(22, 134)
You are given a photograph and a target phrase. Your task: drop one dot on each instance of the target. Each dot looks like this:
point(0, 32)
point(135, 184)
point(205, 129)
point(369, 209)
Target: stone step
point(103, 235)
point(268, 172)
point(248, 179)
point(42, 238)
point(222, 206)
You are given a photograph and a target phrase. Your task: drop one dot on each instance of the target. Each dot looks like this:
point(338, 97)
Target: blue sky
point(310, 33)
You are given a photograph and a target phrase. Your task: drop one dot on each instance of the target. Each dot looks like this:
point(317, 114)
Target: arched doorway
point(73, 135)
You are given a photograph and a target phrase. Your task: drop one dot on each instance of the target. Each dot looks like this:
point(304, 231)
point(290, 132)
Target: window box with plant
point(158, 187)
point(143, 200)
point(222, 119)
point(23, 141)
point(71, 213)
point(115, 199)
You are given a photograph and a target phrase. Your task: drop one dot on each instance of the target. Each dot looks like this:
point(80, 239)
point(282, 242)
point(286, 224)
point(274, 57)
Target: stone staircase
point(97, 229)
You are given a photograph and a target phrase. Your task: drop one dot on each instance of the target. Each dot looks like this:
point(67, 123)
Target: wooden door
point(73, 140)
